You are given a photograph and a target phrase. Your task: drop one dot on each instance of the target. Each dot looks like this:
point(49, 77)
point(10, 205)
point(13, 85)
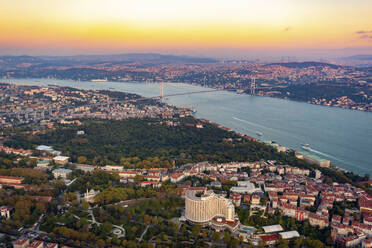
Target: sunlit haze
point(209, 27)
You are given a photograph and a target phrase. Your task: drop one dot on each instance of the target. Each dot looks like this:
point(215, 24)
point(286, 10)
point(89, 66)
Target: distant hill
point(304, 64)
point(12, 62)
point(18, 59)
point(131, 57)
point(360, 57)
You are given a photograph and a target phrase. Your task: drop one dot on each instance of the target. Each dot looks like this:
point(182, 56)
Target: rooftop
point(44, 148)
point(66, 171)
point(289, 234)
point(272, 228)
point(60, 158)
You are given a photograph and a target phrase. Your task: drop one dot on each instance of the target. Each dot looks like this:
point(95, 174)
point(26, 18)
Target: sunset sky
point(195, 27)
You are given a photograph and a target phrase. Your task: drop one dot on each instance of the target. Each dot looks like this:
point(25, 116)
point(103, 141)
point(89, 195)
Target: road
point(144, 232)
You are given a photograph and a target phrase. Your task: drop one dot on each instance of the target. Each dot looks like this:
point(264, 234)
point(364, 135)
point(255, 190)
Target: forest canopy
point(144, 143)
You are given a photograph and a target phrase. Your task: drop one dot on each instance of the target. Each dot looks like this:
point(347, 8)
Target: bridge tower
point(161, 91)
point(253, 86)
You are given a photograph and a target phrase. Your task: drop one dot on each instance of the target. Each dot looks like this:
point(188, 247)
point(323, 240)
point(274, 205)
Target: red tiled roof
point(21, 241)
point(36, 243)
point(270, 237)
point(13, 178)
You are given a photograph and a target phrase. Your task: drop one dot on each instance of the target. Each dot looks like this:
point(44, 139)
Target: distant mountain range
point(360, 57)
point(8, 62)
point(304, 64)
point(133, 57)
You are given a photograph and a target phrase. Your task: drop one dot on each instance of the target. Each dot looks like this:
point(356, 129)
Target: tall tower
point(253, 86)
point(161, 91)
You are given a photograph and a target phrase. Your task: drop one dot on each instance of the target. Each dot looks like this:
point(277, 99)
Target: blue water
point(340, 135)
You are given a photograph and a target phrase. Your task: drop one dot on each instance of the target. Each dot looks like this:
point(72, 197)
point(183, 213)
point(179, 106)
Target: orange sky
point(204, 27)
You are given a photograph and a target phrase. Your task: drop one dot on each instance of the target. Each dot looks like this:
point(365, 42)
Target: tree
point(106, 228)
point(134, 229)
point(283, 243)
point(328, 180)
point(40, 206)
point(196, 230)
point(101, 243)
point(82, 159)
point(234, 242)
point(147, 219)
point(7, 162)
point(69, 197)
point(77, 243)
point(165, 237)
point(226, 237)
point(216, 236)
point(85, 205)
point(297, 243)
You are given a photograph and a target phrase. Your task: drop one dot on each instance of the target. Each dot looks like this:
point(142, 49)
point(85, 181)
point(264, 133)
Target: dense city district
point(82, 168)
point(328, 84)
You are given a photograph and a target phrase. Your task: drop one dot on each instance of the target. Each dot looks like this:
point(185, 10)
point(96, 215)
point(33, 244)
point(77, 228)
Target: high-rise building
point(203, 206)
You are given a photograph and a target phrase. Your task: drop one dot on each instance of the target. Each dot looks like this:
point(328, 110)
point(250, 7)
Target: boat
point(305, 144)
point(259, 133)
point(307, 148)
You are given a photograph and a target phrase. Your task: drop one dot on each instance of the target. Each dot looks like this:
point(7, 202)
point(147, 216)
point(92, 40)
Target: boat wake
point(321, 153)
point(333, 157)
point(255, 124)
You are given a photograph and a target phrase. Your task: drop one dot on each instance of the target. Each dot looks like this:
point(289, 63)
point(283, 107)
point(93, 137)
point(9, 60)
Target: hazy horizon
point(252, 55)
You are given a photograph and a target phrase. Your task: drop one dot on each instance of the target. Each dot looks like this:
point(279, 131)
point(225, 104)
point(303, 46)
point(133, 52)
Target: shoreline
point(193, 84)
point(289, 99)
point(43, 81)
point(331, 166)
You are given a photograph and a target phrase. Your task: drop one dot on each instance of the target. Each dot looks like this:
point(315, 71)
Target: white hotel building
point(210, 208)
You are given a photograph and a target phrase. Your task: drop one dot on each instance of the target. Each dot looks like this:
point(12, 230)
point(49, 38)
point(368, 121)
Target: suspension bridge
point(252, 88)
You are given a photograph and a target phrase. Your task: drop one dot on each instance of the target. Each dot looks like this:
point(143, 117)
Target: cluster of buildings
point(236, 72)
point(272, 234)
point(236, 75)
point(272, 77)
point(297, 193)
point(30, 104)
point(21, 152)
point(216, 172)
point(15, 182)
point(344, 102)
point(153, 177)
point(233, 171)
point(27, 243)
